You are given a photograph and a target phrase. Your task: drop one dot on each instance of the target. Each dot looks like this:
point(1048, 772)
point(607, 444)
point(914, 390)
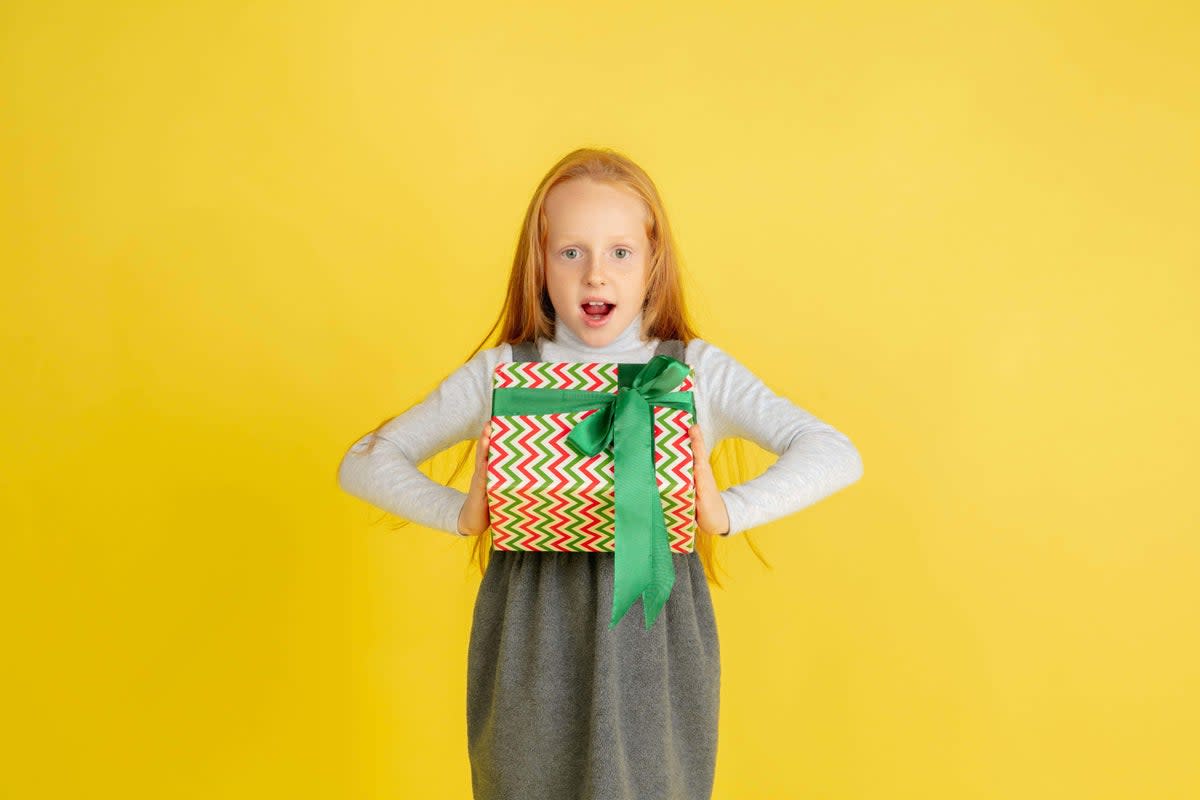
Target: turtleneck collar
point(628, 346)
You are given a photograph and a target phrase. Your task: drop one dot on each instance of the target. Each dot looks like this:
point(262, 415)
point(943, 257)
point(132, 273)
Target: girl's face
point(596, 249)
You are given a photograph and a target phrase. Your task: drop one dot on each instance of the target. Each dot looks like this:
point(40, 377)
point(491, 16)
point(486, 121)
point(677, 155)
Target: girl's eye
point(569, 253)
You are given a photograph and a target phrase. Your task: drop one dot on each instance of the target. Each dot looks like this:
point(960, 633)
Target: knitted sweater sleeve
point(815, 459)
point(387, 476)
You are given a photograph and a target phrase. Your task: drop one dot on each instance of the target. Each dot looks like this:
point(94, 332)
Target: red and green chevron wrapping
point(544, 495)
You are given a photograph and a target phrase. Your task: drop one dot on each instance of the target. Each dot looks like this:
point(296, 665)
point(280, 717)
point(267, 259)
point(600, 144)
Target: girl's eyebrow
point(570, 238)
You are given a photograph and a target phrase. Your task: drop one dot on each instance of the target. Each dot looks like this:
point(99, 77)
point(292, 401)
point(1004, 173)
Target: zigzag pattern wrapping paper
point(543, 495)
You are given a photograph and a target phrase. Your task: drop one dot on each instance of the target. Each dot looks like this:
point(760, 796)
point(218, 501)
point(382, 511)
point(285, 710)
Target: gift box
point(592, 458)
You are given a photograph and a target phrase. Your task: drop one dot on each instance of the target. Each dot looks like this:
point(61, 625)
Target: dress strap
point(525, 351)
point(670, 347)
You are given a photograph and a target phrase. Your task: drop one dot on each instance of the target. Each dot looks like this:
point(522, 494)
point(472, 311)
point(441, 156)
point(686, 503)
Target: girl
point(558, 705)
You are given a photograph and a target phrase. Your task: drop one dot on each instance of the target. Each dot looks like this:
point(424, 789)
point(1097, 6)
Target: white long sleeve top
point(814, 459)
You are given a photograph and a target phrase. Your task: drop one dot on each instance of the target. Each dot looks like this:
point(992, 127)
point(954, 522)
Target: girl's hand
point(474, 519)
point(711, 514)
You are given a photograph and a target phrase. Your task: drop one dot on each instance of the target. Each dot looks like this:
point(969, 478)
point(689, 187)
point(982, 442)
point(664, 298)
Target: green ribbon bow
point(624, 421)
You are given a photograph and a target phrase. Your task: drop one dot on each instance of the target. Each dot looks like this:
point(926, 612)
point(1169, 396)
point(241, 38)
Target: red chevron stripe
point(593, 528)
point(529, 535)
point(529, 378)
point(679, 496)
point(682, 468)
point(525, 449)
point(560, 372)
point(522, 512)
point(555, 510)
point(572, 532)
point(560, 426)
point(496, 452)
point(589, 373)
point(501, 536)
point(598, 375)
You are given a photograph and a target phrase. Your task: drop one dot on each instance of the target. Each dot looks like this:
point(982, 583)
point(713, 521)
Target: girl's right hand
point(474, 519)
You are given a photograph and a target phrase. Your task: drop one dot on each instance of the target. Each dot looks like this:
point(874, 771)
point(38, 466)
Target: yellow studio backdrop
point(237, 236)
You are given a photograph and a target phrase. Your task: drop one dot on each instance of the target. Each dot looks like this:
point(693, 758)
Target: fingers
point(698, 446)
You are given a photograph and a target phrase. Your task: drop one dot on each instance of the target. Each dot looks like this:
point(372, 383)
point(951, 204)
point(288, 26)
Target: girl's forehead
point(591, 222)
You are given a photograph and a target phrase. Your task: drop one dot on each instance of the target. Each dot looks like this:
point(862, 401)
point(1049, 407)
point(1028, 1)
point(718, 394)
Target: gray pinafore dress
point(559, 707)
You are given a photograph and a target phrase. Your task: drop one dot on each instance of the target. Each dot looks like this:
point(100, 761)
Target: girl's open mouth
point(596, 313)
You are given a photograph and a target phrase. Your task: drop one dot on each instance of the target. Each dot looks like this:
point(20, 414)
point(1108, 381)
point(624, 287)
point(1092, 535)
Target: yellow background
point(236, 236)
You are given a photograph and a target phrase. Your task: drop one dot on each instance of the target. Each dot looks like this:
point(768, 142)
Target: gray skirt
point(559, 707)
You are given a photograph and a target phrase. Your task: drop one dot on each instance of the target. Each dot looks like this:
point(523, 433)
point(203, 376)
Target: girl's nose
point(595, 271)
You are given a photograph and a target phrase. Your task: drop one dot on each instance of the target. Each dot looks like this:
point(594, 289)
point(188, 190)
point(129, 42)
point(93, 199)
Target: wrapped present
point(596, 457)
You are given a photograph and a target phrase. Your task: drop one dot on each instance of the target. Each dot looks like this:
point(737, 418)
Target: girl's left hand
point(711, 514)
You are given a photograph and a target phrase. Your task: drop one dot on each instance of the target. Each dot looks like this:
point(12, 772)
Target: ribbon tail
point(654, 574)
point(633, 568)
point(632, 573)
point(662, 569)
point(635, 487)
